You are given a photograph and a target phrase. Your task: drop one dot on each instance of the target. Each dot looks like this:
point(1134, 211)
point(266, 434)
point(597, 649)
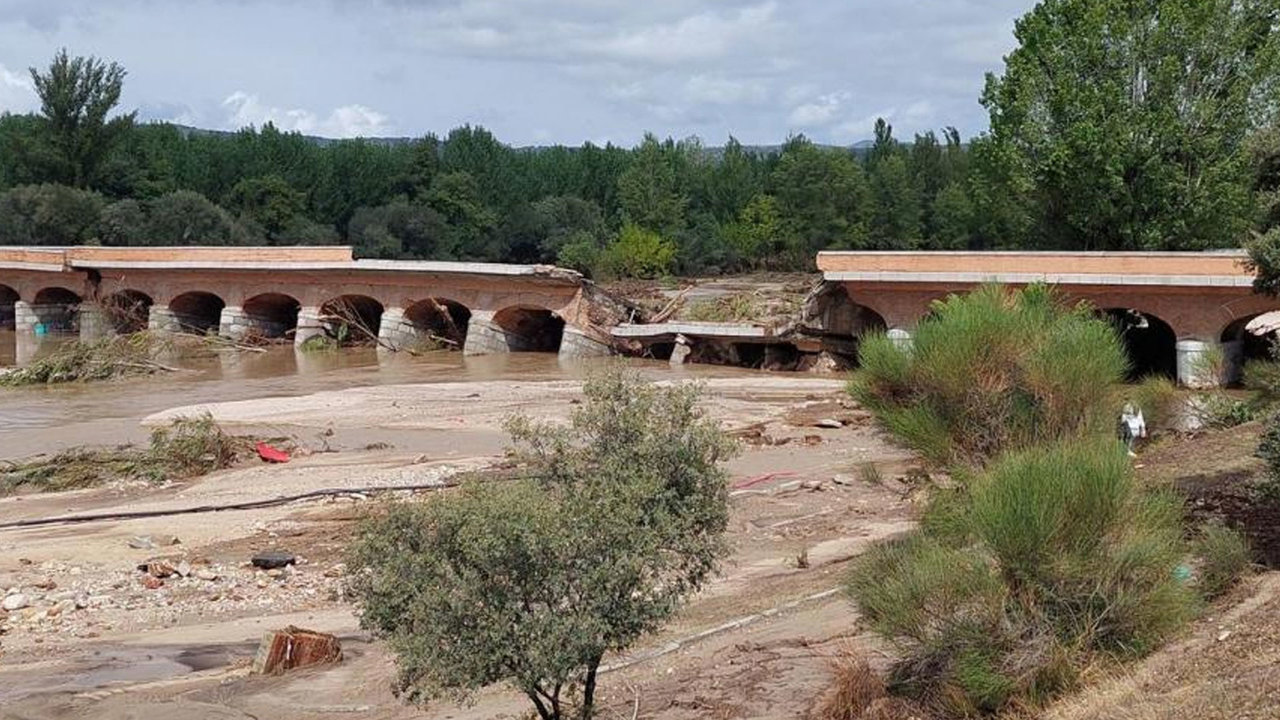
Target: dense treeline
point(660, 207)
point(1165, 141)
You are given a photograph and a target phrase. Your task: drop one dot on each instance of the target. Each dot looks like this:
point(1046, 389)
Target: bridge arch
point(351, 318)
point(197, 311)
point(9, 298)
point(1150, 343)
point(1239, 347)
point(57, 309)
point(840, 321)
point(272, 315)
point(128, 311)
point(530, 328)
point(439, 318)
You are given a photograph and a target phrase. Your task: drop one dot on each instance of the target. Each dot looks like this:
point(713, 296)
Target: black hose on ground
point(247, 505)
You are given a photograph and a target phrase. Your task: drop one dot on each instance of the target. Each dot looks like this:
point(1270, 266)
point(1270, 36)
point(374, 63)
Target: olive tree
point(609, 524)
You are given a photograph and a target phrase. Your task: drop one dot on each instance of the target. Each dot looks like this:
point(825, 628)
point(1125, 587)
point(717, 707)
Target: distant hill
point(861, 147)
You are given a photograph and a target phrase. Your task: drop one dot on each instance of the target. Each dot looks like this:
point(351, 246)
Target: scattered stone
point(63, 607)
point(17, 601)
point(294, 647)
point(1224, 635)
point(830, 423)
point(273, 559)
point(275, 573)
point(842, 480)
point(151, 582)
point(336, 571)
point(45, 584)
point(206, 574)
point(184, 568)
point(151, 542)
point(158, 568)
point(811, 485)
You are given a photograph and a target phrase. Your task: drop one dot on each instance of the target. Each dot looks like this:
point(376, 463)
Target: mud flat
point(753, 644)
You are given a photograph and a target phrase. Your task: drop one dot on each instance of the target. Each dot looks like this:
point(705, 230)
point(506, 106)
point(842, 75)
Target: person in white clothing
point(1132, 427)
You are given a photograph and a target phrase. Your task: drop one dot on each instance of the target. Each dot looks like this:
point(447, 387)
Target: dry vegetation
point(187, 447)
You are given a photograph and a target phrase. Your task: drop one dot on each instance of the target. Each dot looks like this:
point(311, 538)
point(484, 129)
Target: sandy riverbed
point(180, 651)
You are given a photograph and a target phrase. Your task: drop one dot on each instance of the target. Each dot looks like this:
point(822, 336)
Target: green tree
point(400, 229)
point(1264, 246)
point(822, 199)
point(123, 223)
point(615, 519)
point(1124, 123)
point(456, 196)
point(952, 219)
point(757, 236)
point(183, 217)
point(649, 191)
point(268, 201)
point(895, 195)
point(76, 95)
point(49, 214)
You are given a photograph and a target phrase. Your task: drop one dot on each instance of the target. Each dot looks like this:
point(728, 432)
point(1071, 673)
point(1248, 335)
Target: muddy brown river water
point(49, 418)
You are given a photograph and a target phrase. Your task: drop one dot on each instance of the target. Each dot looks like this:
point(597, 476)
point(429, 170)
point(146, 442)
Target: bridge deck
point(1174, 269)
point(273, 259)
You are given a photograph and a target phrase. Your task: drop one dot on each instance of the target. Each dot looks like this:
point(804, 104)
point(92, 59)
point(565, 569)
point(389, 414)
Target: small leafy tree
point(639, 253)
point(616, 518)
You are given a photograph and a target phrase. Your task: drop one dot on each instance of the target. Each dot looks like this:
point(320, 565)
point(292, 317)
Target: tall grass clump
point(1224, 557)
point(1052, 557)
point(993, 370)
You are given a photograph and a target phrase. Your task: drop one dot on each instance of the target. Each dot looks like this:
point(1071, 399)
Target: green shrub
point(1223, 554)
point(993, 370)
point(1016, 579)
point(1219, 409)
point(1263, 378)
point(639, 253)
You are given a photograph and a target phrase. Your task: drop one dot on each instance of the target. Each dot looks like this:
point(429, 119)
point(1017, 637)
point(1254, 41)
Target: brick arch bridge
point(297, 291)
point(1188, 303)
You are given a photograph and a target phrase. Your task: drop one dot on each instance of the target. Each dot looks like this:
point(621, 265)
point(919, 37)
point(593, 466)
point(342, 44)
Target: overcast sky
point(532, 71)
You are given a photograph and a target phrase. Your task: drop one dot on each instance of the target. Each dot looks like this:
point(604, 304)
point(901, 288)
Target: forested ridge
point(1169, 142)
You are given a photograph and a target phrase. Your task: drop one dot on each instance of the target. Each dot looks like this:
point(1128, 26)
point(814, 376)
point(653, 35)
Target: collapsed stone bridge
point(301, 293)
point(1172, 308)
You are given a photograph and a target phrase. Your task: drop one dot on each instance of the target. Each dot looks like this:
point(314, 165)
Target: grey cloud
point(539, 70)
